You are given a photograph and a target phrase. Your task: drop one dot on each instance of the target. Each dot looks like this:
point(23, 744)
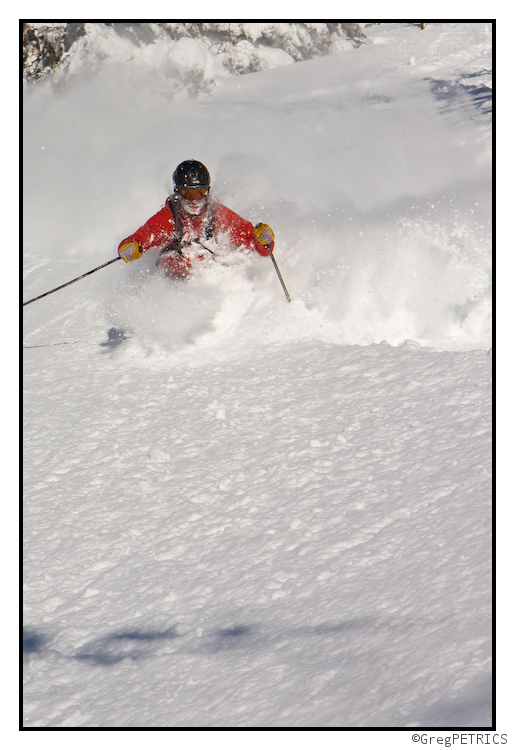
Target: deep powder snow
point(253, 513)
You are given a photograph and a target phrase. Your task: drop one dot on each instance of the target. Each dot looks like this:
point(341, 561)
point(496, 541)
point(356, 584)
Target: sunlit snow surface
point(253, 513)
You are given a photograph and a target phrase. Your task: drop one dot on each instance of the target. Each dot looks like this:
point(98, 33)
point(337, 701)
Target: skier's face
point(193, 200)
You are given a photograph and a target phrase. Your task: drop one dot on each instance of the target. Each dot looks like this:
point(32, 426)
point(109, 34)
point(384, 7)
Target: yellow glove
point(263, 234)
point(130, 251)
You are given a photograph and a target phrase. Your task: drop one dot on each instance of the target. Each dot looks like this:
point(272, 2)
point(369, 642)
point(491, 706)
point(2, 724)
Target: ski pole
point(278, 272)
point(72, 281)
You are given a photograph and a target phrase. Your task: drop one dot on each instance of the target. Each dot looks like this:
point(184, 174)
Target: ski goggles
point(193, 194)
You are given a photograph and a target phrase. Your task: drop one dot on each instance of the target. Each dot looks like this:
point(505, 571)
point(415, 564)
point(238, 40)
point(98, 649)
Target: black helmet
point(191, 174)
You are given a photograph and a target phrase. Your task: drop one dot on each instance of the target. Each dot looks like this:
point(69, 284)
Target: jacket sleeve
point(156, 232)
point(240, 231)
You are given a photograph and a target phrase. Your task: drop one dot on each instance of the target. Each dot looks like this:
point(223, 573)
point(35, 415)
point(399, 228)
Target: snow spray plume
point(72, 281)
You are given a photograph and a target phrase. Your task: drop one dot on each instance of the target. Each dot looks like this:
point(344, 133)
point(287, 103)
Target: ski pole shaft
point(72, 281)
point(278, 272)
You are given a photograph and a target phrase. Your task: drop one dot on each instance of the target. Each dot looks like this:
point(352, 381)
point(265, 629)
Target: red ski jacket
point(161, 232)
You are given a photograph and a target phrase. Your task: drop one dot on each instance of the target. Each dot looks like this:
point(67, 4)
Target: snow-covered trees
point(243, 47)
point(45, 46)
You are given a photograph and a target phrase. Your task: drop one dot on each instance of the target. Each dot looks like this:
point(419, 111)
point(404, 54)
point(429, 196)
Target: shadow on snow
point(471, 84)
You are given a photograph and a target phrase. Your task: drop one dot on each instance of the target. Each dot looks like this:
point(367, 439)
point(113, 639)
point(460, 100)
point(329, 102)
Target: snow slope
point(254, 513)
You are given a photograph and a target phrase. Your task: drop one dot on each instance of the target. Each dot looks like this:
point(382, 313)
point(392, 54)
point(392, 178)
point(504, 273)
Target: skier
point(189, 219)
